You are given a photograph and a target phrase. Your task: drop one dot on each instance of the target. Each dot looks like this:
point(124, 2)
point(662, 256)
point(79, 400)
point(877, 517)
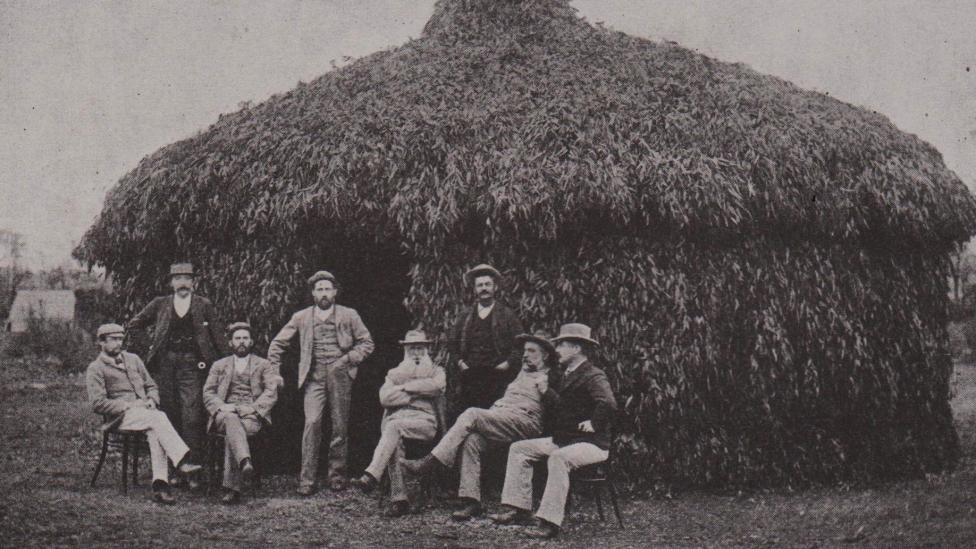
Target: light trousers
point(399, 425)
point(164, 442)
point(236, 429)
point(334, 390)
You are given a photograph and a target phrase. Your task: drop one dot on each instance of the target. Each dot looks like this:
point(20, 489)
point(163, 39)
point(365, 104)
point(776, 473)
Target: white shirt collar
point(240, 364)
point(182, 304)
point(321, 315)
point(574, 366)
point(483, 311)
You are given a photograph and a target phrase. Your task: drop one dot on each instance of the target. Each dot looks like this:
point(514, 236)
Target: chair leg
point(125, 464)
point(101, 459)
point(613, 501)
point(135, 463)
point(597, 489)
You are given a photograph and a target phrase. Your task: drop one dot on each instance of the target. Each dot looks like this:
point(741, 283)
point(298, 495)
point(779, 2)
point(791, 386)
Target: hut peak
point(455, 20)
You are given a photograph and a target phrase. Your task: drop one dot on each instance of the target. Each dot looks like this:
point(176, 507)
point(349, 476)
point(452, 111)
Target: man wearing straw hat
point(583, 406)
point(517, 415)
point(239, 394)
point(409, 395)
point(483, 341)
point(186, 340)
point(334, 341)
point(121, 390)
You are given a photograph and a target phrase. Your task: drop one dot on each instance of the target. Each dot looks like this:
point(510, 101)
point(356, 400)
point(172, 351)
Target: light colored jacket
point(264, 379)
point(353, 337)
point(414, 386)
point(113, 388)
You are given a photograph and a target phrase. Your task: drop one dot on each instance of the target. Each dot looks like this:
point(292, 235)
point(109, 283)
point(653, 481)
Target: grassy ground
point(48, 449)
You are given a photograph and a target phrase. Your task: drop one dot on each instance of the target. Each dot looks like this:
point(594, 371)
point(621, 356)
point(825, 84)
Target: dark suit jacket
point(505, 325)
point(206, 327)
point(582, 395)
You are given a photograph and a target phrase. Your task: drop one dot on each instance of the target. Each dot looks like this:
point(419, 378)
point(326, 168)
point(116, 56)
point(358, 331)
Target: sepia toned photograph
point(487, 273)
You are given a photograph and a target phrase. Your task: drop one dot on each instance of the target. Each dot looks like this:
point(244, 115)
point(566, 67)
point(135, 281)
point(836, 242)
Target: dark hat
point(575, 331)
point(321, 275)
point(238, 326)
point(540, 336)
point(415, 337)
point(481, 270)
point(109, 329)
point(181, 269)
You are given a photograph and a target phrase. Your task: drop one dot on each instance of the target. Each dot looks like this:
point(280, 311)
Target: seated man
point(121, 390)
point(239, 394)
point(408, 394)
point(583, 406)
point(515, 416)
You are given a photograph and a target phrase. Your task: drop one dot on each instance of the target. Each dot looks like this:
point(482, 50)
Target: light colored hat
point(321, 275)
point(181, 269)
point(238, 326)
point(415, 337)
point(575, 331)
point(540, 336)
point(481, 270)
point(110, 329)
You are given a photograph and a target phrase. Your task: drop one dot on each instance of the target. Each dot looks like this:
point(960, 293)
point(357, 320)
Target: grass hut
point(765, 265)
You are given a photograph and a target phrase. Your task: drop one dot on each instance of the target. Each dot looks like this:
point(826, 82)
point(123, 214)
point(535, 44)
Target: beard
point(242, 350)
point(114, 352)
point(325, 302)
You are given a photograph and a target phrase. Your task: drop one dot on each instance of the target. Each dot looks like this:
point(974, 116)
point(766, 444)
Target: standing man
point(583, 407)
point(186, 340)
point(122, 391)
point(483, 342)
point(334, 341)
point(516, 416)
point(239, 394)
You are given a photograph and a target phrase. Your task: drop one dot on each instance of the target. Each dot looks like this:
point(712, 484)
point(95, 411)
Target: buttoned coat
point(111, 390)
point(582, 395)
point(354, 340)
point(207, 328)
point(264, 380)
point(505, 325)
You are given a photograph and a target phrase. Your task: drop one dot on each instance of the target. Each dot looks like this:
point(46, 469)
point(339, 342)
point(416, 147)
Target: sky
point(90, 87)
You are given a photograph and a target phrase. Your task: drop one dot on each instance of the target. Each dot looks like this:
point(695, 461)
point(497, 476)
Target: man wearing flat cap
point(186, 340)
point(482, 342)
point(334, 341)
point(122, 391)
point(583, 408)
point(518, 415)
point(239, 394)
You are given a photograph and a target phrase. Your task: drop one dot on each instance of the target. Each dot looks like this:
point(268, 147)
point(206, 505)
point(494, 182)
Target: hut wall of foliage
point(765, 265)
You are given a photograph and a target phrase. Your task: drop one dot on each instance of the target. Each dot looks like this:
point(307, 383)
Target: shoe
point(365, 483)
point(247, 470)
point(510, 515)
point(338, 484)
point(306, 490)
point(419, 467)
point(187, 469)
point(231, 497)
point(471, 509)
point(175, 481)
point(545, 530)
point(397, 509)
point(162, 495)
point(194, 485)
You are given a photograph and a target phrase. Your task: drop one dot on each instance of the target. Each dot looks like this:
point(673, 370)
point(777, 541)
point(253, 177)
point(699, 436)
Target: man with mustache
point(334, 341)
point(517, 415)
point(186, 339)
point(239, 394)
point(483, 342)
point(122, 391)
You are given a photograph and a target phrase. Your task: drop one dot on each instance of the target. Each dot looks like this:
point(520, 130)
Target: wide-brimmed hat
point(321, 275)
point(540, 336)
point(110, 329)
point(415, 337)
point(181, 269)
point(238, 326)
point(575, 331)
point(481, 270)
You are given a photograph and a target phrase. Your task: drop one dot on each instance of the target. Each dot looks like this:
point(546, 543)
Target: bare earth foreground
point(48, 450)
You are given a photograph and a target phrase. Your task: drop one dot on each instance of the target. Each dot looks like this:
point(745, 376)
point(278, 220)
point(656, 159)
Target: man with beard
point(239, 394)
point(483, 342)
point(408, 394)
point(334, 341)
point(516, 416)
point(583, 406)
point(186, 339)
point(122, 391)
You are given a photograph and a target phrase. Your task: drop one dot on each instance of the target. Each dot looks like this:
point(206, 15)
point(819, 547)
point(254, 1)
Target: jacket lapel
point(305, 331)
point(575, 376)
point(224, 386)
point(255, 379)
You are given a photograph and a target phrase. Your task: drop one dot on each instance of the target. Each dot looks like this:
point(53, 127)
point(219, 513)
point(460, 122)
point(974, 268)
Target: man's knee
point(558, 460)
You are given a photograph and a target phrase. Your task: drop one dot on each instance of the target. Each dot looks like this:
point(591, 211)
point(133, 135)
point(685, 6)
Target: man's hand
point(586, 426)
point(503, 367)
point(150, 404)
point(542, 385)
point(227, 408)
point(463, 365)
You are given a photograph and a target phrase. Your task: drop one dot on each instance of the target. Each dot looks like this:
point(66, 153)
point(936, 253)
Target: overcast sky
point(87, 88)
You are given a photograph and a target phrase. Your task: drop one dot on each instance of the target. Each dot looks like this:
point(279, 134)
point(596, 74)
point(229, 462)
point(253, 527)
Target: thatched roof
point(520, 112)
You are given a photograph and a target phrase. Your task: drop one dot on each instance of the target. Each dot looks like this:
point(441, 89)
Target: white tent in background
point(47, 304)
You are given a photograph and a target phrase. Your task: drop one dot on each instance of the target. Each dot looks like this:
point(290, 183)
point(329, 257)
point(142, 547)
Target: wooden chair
point(418, 448)
point(596, 477)
point(215, 455)
point(128, 443)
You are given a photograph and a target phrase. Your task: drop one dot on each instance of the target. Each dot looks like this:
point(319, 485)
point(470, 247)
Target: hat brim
point(418, 342)
point(557, 339)
point(106, 334)
point(482, 271)
point(522, 338)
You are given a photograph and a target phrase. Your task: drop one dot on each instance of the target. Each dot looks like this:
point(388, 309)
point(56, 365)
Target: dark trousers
point(180, 382)
point(480, 387)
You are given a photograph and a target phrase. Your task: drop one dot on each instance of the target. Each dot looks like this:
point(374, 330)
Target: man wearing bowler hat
point(583, 406)
point(517, 415)
point(186, 340)
point(334, 341)
point(123, 392)
point(482, 342)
